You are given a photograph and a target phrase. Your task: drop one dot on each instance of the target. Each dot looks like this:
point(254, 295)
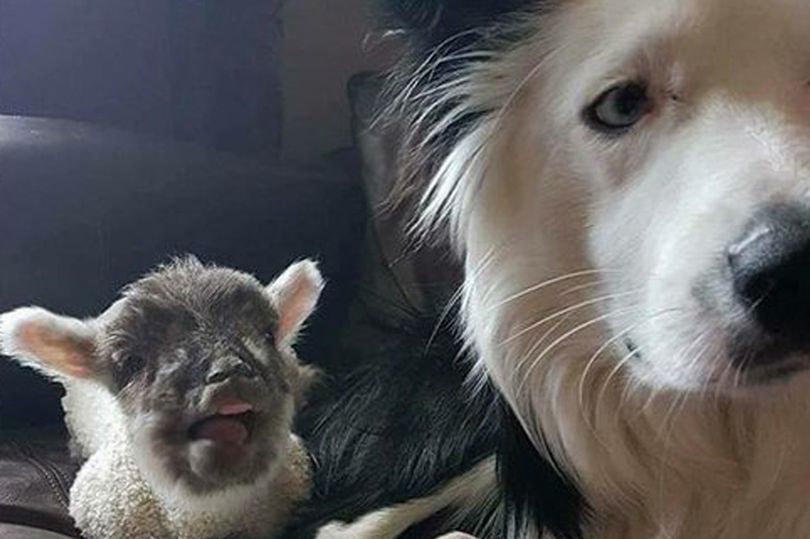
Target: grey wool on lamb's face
point(181, 397)
point(196, 360)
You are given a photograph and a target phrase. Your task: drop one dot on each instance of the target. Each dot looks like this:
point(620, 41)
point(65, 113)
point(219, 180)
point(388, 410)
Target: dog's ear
point(56, 345)
point(431, 23)
point(295, 294)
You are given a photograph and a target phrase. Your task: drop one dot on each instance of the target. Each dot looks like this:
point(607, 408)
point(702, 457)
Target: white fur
point(469, 493)
point(570, 240)
point(111, 499)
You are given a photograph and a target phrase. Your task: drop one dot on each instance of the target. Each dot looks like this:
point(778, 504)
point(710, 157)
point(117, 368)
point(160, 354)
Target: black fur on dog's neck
point(395, 423)
point(399, 422)
point(536, 493)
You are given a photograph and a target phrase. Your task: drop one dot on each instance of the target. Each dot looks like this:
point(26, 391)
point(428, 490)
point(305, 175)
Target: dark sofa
point(86, 209)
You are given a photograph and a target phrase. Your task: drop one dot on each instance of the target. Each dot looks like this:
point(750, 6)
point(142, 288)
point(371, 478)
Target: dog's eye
point(619, 108)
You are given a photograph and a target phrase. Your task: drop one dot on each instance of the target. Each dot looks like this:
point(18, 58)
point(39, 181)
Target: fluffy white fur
point(572, 241)
point(467, 496)
point(110, 497)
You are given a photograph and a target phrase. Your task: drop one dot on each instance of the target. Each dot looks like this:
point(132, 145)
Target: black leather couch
point(85, 210)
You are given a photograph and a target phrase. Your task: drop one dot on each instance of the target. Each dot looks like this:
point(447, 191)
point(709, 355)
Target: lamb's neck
point(292, 483)
point(285, 484)
point(256, 510)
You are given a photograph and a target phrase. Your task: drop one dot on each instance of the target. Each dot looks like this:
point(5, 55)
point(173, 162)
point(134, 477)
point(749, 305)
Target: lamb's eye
point(619, 108)
point(270, 338)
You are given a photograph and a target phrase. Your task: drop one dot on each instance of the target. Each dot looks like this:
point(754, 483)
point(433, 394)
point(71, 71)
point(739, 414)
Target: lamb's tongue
point(223, 429)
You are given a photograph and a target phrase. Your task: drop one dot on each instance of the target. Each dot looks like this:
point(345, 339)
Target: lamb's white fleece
point(111, 500)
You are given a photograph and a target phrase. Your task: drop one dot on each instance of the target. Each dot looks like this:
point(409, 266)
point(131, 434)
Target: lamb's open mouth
point(227, 426)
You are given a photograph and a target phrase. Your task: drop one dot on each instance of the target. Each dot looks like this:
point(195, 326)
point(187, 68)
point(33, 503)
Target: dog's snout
point(227, 369)
point(770, 269)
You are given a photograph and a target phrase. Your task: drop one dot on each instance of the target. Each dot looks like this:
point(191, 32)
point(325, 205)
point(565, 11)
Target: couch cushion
point(208, 72)
point(35, 476)
point(10, 531)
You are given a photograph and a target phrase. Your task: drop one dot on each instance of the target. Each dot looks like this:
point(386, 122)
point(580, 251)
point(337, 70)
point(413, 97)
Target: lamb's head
point(200, 360)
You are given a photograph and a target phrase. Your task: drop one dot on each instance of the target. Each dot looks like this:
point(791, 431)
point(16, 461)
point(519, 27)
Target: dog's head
point(658, 149)
point(199, 359)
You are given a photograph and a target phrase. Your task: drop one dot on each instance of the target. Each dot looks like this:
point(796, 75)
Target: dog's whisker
point(633, 386)
point(622, 362)
point(457, 296)
point(589, 364)
point(738, 372)
point(628, 357)
point(666, 424)
point(565, 311)
point(581, 287)
point(563, 338)
point(608, 380)
point(550, 282)
point(539, 342)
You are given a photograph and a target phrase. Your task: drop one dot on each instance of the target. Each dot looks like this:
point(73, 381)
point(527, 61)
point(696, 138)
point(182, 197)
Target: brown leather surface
point(35, 476)
point(11, 531)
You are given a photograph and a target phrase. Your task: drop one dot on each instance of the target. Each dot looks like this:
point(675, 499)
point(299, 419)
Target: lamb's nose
point(224, 370)
point(770, 268)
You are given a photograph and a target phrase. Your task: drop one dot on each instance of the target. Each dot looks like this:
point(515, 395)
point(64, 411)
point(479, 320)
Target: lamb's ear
point(56, 345)
point(295, 294)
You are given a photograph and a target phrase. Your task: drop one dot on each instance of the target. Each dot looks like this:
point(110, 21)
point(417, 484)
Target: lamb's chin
point(214, 466)
point(195, 485)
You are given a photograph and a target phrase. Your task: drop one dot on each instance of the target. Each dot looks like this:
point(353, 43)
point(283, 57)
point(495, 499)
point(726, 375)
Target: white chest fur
point(709, 469)
point(111, 499)
point(651, 465)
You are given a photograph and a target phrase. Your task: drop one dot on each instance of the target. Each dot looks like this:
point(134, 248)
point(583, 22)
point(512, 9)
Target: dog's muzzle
point(770, 272)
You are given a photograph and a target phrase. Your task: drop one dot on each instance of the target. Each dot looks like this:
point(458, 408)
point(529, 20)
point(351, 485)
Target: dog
point(627, 186)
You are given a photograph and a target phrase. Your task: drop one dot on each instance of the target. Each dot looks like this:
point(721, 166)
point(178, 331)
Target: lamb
point(180, 400)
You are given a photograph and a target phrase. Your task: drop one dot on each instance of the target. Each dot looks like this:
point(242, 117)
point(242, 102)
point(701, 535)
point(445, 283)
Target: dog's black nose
point(770, 268)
